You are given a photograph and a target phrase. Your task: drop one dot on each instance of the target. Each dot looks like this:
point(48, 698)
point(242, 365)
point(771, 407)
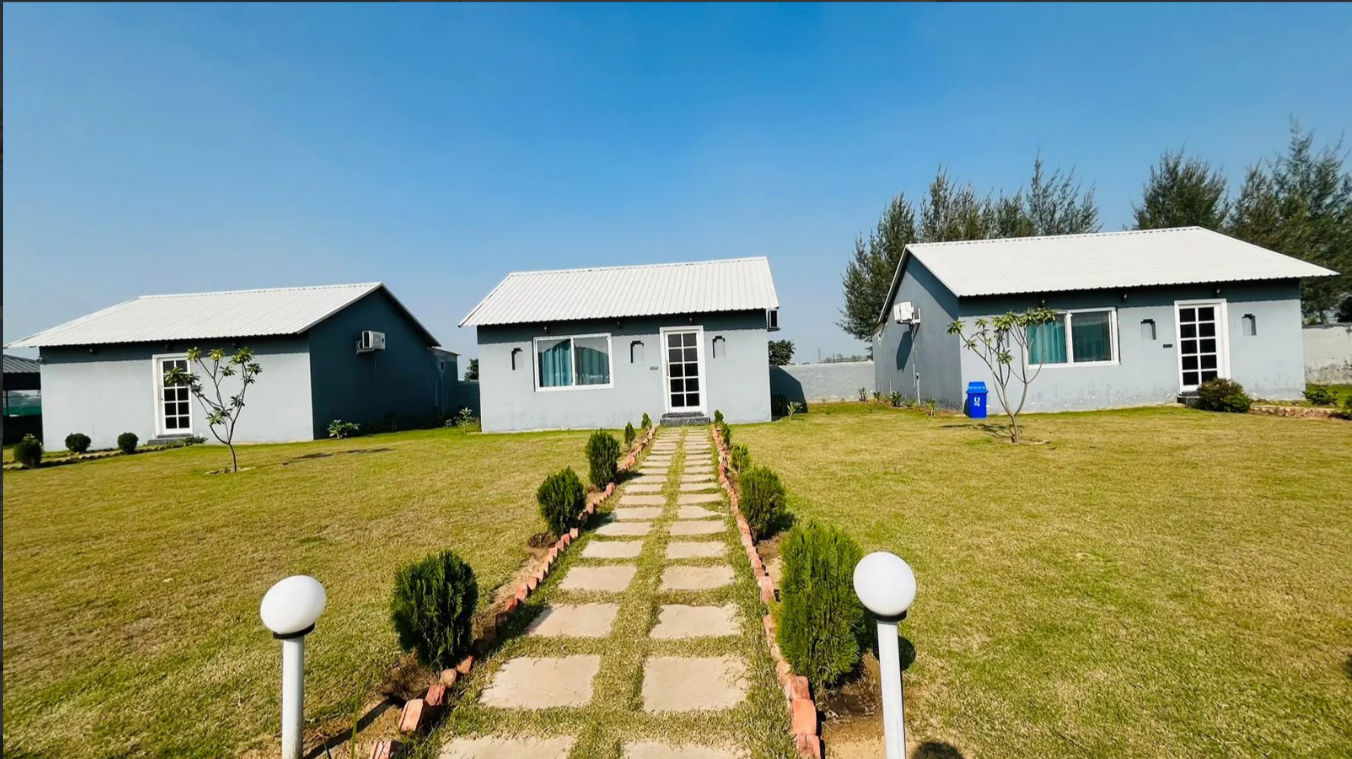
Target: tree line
point(1299, 203)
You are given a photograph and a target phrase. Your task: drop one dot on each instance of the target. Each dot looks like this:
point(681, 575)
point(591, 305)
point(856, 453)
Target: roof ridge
point(1031, 238)
point(640, 266)
point(258, 290)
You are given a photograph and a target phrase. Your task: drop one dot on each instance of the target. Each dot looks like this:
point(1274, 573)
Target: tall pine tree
point(1183, 192)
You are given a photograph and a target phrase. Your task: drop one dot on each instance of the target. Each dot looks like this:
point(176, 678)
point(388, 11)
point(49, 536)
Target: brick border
point(418, 713)
point(797, 693)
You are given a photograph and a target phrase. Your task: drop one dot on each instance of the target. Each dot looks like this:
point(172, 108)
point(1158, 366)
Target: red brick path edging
point(797, 693)
point(418, 713)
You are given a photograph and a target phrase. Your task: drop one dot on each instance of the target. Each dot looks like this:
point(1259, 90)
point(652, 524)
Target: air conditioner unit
point(905, 313)
point(370, 340)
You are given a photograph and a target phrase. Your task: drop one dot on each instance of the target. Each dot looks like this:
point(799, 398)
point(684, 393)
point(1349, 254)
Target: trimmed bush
point(629, 435)
point(432, 607)
point(1221, 394)
point(77, 442)
point(28, 451)
point(603, 452)
point(822, 625)
point(726, 432)
point(126, 442)
point(646, 423)
point(740, 458)
point(718, 416)
point(562, 499)
point(763, 500)
point(1320, 395)
point(340, 429)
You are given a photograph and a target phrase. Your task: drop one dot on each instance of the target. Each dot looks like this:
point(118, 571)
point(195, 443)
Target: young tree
point(781, 352)
point(222, 413)
point(951, 212)
point(1055, 204)
point(868, 275)
point(995, 342)
point(472, 371)
point(1182, 192)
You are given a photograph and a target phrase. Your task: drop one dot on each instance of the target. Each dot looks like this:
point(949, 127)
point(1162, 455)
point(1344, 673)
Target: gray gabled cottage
point(350, 352)
point(1144, 316)
point(582, 348)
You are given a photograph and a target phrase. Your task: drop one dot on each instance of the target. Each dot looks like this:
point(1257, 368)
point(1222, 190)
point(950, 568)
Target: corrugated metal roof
point(1185, 255)
point(200, 316)
point(21, 365)
point(739, 284)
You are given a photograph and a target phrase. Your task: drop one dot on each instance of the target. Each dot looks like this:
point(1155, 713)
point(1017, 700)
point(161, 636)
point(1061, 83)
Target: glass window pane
point(1189, 346)
point(691, 354)
point(1206, 313)
point(1207, 329)
point(674, 340)
point(692, 399)
point(1189, 362)
point(677, 386)
point(1047, 343)
point(1209, 375)
point(1209, 345)
point(674, 354)
point(1208, 362)
point(688, 338)
point(1091, 336)
point(692, 383)
point(591, 356)
point(555, 359)
point(1190, 378)
point(677, 370)
point(1187, 330)
point(1187, 314)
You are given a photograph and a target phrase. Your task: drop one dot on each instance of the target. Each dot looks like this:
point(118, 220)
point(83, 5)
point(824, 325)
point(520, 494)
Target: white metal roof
point(197, 316)
point(739, 284)
point(21, 365)
point(1105, 260)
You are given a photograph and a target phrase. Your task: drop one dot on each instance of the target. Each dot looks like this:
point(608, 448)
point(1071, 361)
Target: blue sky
point(175, 148)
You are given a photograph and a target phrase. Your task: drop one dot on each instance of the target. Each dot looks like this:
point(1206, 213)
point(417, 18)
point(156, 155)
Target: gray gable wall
point(920, 361)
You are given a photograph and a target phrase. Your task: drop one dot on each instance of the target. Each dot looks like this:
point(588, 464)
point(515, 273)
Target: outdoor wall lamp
point(289, 610)
point(886, 586)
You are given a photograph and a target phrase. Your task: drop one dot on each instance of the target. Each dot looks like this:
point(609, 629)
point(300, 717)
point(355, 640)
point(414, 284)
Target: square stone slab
point(612, 549)
point(695, 487)
point(694, 512)
point(689, 549)
point(694, 578)
point(689, 498)
point(493, 747)
point(636, 486)
point(655, 471)
point(645, 479)
point(703, 477)
point(700, 527)
point(698, 468)
point(650, 750)
point(613, 579)
point(529, 682)
point(642, 500)
point(575, 621)
point(638, 512)
point(683, 684)
point(680, 621)
point(624, 529)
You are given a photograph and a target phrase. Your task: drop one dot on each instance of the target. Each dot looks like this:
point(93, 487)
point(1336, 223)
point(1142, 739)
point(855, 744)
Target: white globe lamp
point(886, 586)
point(290, 609)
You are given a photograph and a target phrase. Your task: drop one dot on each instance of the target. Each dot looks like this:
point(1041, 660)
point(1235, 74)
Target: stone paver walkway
point(645, 643)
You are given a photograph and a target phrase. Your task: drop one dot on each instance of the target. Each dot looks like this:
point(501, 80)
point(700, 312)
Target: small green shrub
point(897, 399)
point(1320, 395)
point(726, 432)
point(796, 407)
point(340, 429)
point(1221, 394)
point(718, 416)
point(432, 607)
point(822, 625)
point(77, 442)
point(763, 500)
point(931, 407)
point(1346, 413)
point(629, 435)
point(465, 418)
point(562, 498)
point(28, 451)
point(126, 442)
point(603, 452)
point(646, 423)
point(863, 395)
point(740, 458)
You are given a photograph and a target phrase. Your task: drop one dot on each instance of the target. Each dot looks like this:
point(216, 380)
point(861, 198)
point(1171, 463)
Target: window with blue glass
point(578, 361)
point(1075, 337)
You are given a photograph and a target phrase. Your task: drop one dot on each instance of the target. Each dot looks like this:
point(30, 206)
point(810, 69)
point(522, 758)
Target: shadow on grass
point(936, 750)
point(998, 431)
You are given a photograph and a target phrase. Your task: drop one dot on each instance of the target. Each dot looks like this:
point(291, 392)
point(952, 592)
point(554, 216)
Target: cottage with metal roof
point(349, 352)
point(1144, 316)
point(589, 348)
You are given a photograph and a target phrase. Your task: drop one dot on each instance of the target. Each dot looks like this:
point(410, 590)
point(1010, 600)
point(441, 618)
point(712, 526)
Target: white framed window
point(577, 362)
point(1077, 337)
point(173, 404)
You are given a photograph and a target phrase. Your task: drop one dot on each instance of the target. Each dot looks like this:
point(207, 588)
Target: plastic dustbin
point(975, 407)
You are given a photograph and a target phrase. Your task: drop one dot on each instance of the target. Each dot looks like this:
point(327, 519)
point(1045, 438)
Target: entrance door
point(684, 364)
point(1201, 342)
point(174, 408)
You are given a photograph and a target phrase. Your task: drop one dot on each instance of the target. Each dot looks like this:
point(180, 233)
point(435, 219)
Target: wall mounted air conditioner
point(370, 340)
point(905, 313)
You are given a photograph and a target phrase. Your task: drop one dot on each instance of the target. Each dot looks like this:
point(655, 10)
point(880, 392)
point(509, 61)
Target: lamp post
point(289, 610)
point(886, 586)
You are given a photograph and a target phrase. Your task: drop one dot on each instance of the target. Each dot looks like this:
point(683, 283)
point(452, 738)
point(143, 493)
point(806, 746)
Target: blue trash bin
point(976, 400)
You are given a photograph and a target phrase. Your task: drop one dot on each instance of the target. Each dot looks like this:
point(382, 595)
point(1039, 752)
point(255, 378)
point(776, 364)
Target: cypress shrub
point(646, 423)
point(1320, 395)
point(432, 607)
point(603, 453)
point(1221, 394)
point(740, 458)
point(28, 451)
point(562, 499)
point(629, 435)
point(718, 416)
point(126, 442)
point(77, 442)
point(763, 500)
point(822, 625)
point(726, 432)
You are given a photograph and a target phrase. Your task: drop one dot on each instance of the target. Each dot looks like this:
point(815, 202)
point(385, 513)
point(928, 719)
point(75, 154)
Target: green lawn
point(131, 584)
point(1148, 583)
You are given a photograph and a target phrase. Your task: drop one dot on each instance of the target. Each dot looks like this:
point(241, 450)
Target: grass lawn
point(1149, 583)
point(132, 584)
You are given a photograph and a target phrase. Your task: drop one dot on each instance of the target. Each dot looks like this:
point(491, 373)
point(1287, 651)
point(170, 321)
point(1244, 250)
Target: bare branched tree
point(222, 413)
point(995, 342)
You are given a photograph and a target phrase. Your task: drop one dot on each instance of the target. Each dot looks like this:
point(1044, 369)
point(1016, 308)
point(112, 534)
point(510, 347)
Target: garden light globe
point(885, 584)
point(292, 605)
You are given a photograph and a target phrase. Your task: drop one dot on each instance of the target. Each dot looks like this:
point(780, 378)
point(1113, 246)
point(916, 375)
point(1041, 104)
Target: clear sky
point(177, 148)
